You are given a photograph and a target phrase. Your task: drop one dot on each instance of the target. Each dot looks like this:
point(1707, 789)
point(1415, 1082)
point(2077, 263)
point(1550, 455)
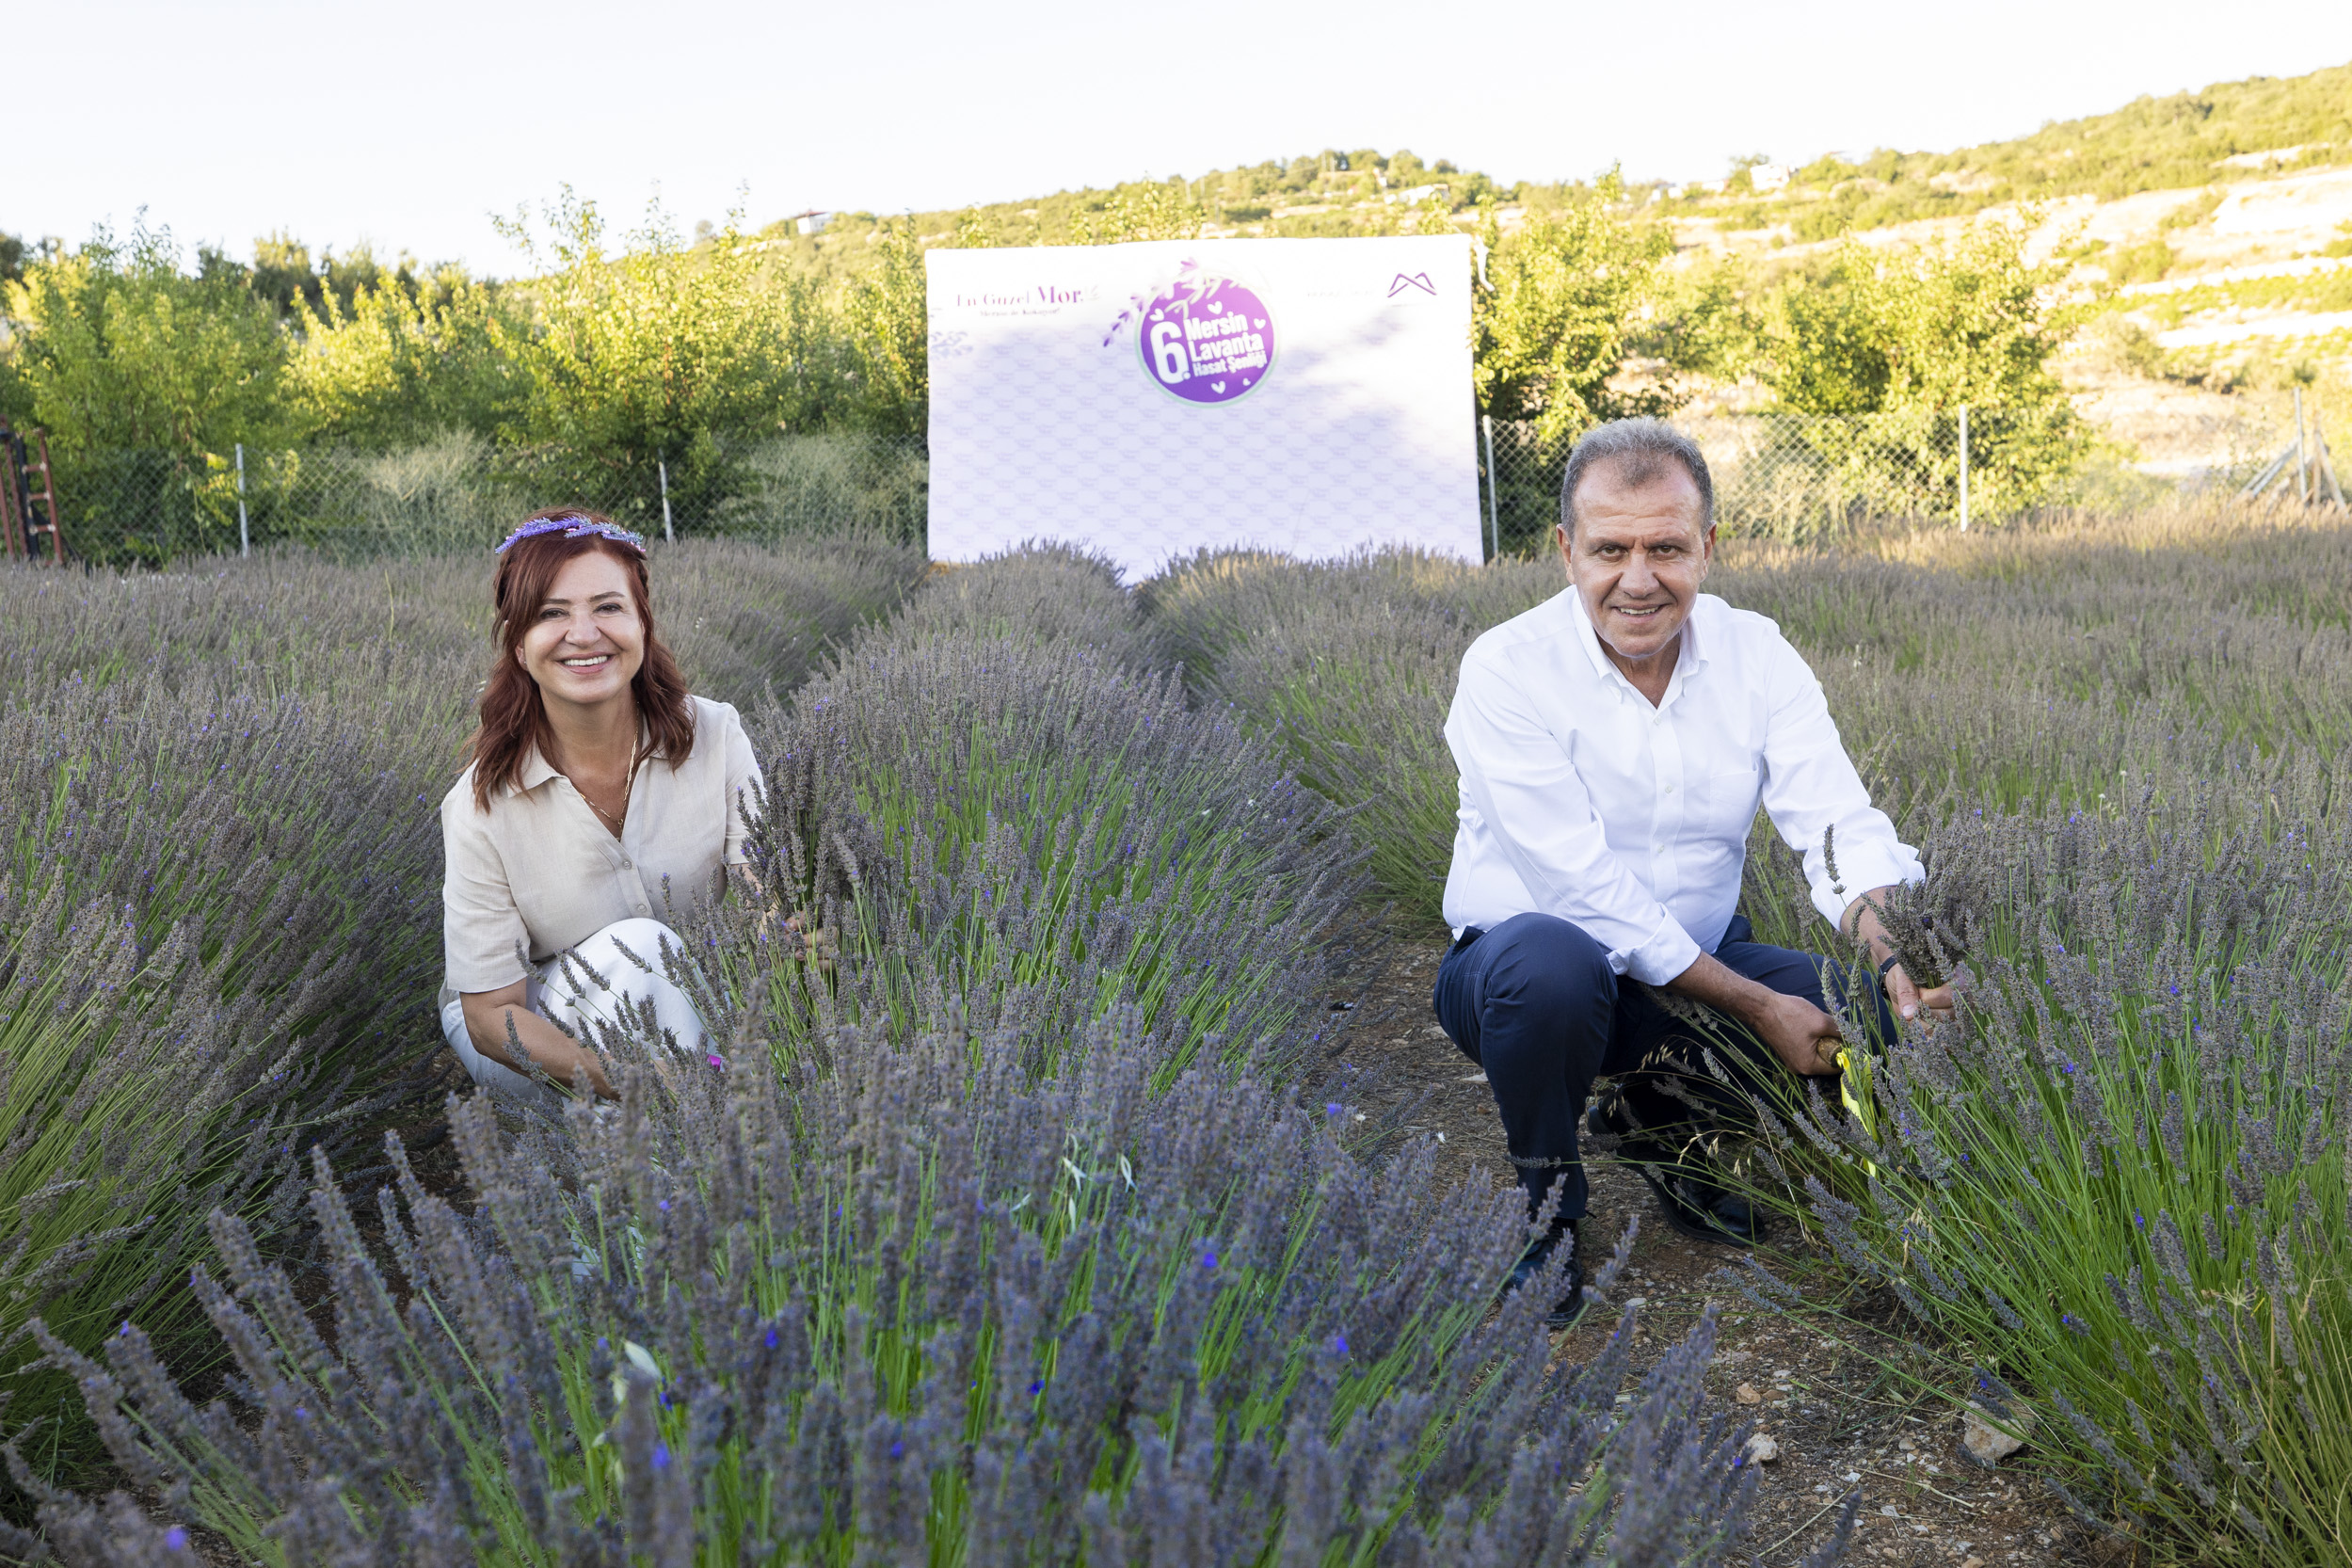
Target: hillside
point(2202, 242)
point(2231, 133)
point(2208, 235)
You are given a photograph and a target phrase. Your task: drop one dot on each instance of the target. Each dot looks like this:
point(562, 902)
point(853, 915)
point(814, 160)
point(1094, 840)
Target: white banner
point(1149, 400)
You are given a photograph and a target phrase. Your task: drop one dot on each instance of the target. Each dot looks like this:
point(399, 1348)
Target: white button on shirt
point(540, 872)
point(1580, 799)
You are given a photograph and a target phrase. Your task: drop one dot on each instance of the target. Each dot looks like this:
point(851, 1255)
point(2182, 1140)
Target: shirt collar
point(1688, 660)
point(537, 770)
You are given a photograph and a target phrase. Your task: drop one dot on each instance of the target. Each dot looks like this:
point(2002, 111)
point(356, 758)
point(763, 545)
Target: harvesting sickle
point(597, 789)
point(1613, 746)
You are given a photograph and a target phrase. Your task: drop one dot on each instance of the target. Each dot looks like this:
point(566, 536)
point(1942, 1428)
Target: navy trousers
point(1535, 1003)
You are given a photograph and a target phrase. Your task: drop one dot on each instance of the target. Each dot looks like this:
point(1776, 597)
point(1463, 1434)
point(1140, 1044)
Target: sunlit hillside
point(2209, 235)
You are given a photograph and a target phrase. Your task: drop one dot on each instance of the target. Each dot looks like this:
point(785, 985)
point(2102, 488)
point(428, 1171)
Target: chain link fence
point(1801, 479)
point(128, 509)
point(1776, 476)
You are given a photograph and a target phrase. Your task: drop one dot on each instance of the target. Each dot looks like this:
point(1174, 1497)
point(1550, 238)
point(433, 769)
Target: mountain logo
point(1412, 280)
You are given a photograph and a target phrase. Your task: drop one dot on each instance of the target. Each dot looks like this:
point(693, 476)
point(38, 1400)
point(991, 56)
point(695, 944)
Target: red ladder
point(26, 514)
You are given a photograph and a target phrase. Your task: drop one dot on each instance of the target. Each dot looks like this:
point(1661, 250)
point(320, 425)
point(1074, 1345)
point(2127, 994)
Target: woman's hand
point(499, 1022)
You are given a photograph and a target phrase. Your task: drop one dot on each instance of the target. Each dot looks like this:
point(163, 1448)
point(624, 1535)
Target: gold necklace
point(628, 787)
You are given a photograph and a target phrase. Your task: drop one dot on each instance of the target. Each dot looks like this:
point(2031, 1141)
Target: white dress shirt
point(1580, 799)
point(540, 872)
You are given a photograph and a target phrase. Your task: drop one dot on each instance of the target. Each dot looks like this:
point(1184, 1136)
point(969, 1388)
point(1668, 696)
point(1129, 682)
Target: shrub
point(993, 815)
point(1039, 595)
point(1352, 669)
point(1889, 343)
point(658, 354)
point(2120, 1188)
point(917, 1306)
point(1557, 308)
point(956, 1243)
point(2115, 1192)
point(218, 951)
point(223, 868)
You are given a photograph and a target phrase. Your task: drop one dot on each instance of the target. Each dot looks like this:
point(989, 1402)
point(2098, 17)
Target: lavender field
point(1020, 1215)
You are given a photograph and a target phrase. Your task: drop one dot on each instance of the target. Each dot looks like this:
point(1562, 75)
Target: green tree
point(657, 354)
point(1146, 211)
point(885, 317)
point(114, 346)
point(1894, 342)
point(401, 364)
point(1559, 311)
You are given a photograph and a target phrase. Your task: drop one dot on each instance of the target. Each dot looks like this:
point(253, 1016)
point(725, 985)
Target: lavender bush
point(217, 941)
point(2117, 1193)
point(915, 1306)
point(1037, 835)
point(1049, 596)
point(955, 1244)
point(1351, 669)
point(223, 886)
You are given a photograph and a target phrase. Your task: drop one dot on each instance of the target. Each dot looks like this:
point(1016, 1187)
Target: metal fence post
point(2302, 454)
point(245, 536)
point(1963, 468)
point(1493, 518)
point(661, 466)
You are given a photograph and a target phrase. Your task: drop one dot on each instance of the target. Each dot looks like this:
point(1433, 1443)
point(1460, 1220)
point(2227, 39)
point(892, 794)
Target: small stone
point(1989, 1444)
point(1973, 1563)
point(1762, 1449)
point(1746, 1394)
point(1907, 1444)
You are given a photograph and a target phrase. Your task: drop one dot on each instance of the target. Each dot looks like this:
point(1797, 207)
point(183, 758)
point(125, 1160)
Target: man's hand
point(1909, 999)
point(1800, 1033)
point(1861, 922)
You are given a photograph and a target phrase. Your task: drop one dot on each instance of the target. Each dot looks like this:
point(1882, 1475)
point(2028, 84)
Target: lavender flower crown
point(573, 526)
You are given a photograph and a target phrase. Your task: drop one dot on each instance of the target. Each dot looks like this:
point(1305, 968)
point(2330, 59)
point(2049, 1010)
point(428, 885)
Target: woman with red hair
point(601, 797)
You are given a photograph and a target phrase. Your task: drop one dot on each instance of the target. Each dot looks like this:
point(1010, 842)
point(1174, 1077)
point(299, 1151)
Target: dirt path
point(1822, 1389)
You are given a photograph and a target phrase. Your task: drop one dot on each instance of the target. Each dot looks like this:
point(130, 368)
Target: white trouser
point(569, 994)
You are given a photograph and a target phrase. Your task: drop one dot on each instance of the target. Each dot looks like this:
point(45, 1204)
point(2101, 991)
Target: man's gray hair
point(1642, 447)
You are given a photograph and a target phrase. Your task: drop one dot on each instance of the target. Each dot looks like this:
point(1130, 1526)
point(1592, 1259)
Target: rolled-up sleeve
point(1810, 787)
point(1525, 786)
point(483, 935)
point(744, 785)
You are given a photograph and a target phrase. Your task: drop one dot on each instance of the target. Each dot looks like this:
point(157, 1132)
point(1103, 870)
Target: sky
point(406, 127)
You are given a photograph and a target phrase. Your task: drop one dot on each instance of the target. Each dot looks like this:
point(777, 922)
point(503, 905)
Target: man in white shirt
point(1615, 744)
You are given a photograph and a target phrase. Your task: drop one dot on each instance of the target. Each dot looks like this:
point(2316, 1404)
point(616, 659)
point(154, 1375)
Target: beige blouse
point(540, 872)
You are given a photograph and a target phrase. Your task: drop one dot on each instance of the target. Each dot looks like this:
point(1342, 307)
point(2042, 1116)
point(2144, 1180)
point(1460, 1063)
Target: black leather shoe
point(1570, 1307)
point(1700, 1208)
point(1694, 1204)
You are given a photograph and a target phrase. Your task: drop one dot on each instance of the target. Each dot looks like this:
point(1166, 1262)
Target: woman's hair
point(514, 719)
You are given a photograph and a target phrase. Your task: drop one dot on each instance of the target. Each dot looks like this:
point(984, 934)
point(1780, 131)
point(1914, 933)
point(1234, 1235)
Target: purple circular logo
point(1207, 340)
